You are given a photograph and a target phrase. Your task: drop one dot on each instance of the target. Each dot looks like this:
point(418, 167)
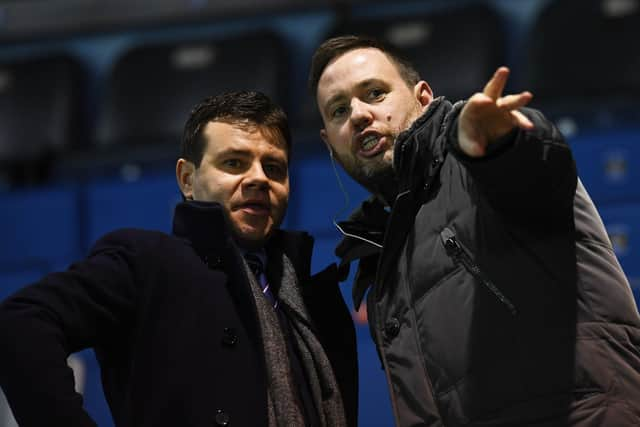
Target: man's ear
point(423, 93)
point(185, 171)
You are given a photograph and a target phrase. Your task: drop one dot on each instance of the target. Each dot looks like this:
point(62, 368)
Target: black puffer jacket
point(497, 299)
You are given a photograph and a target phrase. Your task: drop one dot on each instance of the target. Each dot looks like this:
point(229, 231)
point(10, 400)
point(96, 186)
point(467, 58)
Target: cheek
point(338, 134)
point(281, 194)
point(213, 189)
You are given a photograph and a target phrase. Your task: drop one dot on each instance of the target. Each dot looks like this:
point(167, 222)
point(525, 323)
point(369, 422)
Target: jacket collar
point(203, 224)
point(205, 227)
point(426, 129)
point(372, 220)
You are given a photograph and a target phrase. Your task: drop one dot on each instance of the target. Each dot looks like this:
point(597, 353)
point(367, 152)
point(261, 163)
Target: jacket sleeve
point(64, 312)
point(528, 175)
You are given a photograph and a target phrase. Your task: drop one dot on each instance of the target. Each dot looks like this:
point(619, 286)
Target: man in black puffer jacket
point(495, 296)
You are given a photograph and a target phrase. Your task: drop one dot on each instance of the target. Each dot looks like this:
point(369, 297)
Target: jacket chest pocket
point(461, 255)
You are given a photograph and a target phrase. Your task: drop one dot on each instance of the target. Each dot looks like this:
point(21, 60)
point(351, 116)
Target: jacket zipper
point(457, 252)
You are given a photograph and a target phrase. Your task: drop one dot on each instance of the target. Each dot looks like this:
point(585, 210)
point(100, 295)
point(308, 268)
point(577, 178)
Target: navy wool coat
point(173, 324)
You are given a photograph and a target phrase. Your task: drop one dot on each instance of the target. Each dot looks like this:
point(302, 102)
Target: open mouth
point(369, 142)
point(371, 145)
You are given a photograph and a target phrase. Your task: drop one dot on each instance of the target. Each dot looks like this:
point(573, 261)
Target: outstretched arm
point(516, 157)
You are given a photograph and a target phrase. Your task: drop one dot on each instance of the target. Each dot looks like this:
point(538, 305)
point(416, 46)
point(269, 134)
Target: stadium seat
point(145, 203)
point(455, 50)
point(12, 280)
point(40, 229)
point(605, 161)
point(623, 225)
point(151, 89)
point(316, 197)
point(582, 63)
point(41, 114)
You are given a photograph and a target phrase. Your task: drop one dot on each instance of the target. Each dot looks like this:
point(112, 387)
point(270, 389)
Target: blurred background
point(93, 96)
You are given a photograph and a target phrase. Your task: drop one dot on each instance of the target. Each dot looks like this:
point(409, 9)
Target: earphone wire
point(346, 205)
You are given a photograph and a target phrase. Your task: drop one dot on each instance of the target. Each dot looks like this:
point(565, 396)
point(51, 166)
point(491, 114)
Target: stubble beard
point(378, 176)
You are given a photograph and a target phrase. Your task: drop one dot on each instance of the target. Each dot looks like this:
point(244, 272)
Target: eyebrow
point(234, 152)
point(247, 153)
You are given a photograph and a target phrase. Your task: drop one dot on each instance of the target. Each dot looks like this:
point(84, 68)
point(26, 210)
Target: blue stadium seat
point(605, 160)
point(40, 228)
point(316, 197)
point(11, 280)
point(581, 61)
point(323, 253)
point(623, 225)
point(145, 203)
point(41, 115)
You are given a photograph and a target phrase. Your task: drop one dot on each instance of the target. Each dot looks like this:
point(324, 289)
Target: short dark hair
point(337, 46)
point(249, 109)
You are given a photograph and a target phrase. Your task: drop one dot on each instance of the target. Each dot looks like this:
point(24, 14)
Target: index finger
point(495, 86)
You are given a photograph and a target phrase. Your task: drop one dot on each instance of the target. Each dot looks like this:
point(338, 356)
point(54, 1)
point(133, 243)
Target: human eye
point(232, 163)
point(275, 170)
point(376, 94)
point(338, 111)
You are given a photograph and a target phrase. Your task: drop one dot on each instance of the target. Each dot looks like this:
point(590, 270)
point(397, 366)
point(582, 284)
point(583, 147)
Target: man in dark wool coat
point(218, 323)
point(495, 297)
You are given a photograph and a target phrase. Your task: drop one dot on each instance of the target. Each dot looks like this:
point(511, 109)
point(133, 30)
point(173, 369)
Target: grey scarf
point(285, 408)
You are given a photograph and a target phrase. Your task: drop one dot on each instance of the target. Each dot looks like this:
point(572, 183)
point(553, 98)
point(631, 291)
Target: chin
point(380, 168)
point(249, 236)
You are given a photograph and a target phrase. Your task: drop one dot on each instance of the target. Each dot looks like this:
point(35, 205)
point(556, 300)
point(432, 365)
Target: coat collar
point(205, 227)
point(417, 150)
point(203, 224)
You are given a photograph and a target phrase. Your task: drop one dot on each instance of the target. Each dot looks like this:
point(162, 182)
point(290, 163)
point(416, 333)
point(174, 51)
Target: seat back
point(583, 61)
point(455, 50)
point(152, 89)
point(41, 114)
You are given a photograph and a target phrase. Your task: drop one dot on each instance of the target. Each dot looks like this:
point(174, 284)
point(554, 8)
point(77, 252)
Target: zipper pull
point(450, 242)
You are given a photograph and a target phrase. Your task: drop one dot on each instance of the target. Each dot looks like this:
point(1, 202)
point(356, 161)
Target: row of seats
point(47, 110)
point(45, 229)
point(64, 220)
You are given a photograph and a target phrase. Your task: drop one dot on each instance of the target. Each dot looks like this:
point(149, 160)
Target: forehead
point(222, 136)
point(356, 66)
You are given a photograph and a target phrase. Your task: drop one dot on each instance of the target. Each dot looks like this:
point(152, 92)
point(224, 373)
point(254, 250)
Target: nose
point(361, 115)
point(255, 176)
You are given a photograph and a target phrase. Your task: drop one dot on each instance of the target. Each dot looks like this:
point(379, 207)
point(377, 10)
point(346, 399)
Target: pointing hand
point(488, 115)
